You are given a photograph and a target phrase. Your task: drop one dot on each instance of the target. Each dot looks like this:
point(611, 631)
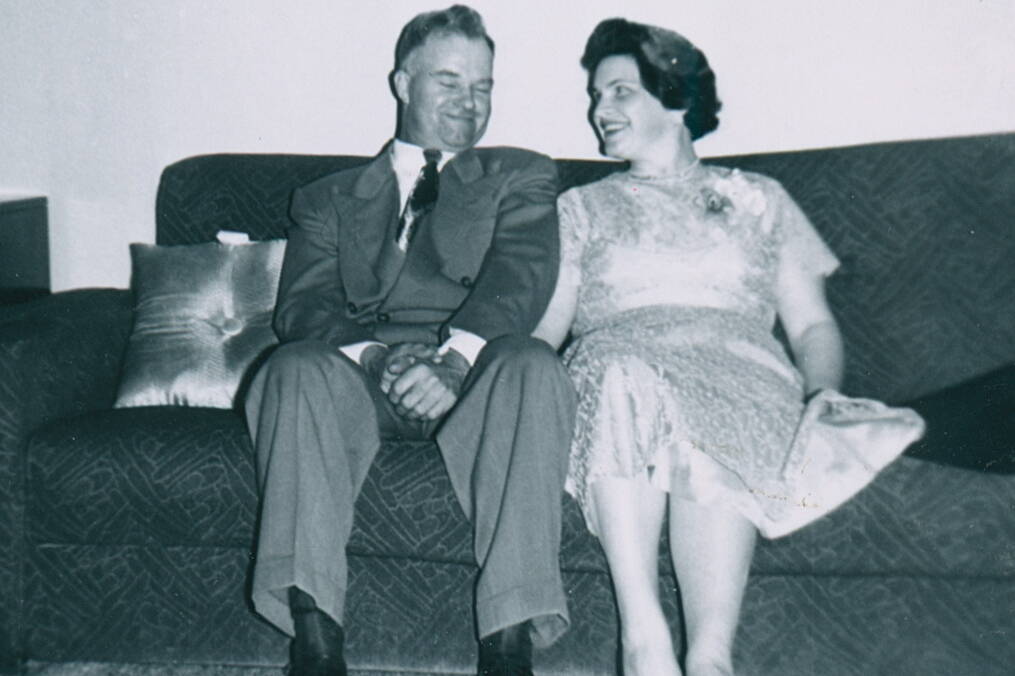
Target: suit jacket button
point(351, 307)
point(466, 281)
point(383, 317)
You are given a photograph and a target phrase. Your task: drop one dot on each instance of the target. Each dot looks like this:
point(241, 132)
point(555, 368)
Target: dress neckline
point(681, 176)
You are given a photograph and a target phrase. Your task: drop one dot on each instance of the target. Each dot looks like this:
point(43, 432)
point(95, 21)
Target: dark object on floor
point(971, 425)
point(316, 649)
point(507, 652)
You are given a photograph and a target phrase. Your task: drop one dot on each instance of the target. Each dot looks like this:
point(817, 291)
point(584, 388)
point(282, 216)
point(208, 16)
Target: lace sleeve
point(572, 232)
point(799, 243)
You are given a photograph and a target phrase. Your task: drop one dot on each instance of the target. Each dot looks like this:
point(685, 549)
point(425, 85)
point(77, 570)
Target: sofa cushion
point(185, 605)
point(202, 317)
point(185, 476)
point(173, 476)
point(133, 476)
point(916, 518)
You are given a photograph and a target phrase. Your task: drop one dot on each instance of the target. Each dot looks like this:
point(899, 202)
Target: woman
point(672, 276)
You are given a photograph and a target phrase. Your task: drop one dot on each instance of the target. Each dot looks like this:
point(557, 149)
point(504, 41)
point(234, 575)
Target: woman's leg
point(712, 548)
point(630, 514)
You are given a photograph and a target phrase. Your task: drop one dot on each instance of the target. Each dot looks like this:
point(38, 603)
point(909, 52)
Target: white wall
point(96, 96)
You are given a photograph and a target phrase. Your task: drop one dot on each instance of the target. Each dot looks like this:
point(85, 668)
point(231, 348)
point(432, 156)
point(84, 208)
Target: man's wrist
point(354, 351)
point(466, 343)
point(372, 357)
point(453, 368)
point(455, 360)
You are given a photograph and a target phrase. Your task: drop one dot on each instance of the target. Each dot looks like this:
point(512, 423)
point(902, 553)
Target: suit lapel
point(467, 166)
point(455, 226)
point(372, 212)
point(464, 198)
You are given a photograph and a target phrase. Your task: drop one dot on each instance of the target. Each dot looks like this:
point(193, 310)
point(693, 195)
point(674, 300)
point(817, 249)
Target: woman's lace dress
point(673, 357)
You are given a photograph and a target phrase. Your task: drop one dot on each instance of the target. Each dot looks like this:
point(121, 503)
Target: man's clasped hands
point(419, 381)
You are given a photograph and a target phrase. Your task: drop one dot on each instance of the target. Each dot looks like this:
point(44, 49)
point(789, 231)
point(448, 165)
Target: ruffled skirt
point(706, 404)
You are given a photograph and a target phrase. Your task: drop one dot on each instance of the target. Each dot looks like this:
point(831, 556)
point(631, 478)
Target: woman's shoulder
point(602, 185)
point(759, 193)
point(585, 210)
point(589, 198)
point(741, 177)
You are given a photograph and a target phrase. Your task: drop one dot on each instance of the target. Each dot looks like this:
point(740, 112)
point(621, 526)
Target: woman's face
point(631, 123)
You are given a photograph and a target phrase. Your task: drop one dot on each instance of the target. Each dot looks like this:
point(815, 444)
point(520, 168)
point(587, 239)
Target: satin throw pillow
point(202, 318)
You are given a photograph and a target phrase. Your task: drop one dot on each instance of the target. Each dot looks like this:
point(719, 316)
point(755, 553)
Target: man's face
point(444, 86)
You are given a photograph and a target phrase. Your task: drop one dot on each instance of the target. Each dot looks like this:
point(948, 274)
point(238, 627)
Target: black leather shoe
point(507, 652)
point(316, 650)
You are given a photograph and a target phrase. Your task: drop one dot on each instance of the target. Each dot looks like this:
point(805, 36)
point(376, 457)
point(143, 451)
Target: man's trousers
point(317, 422)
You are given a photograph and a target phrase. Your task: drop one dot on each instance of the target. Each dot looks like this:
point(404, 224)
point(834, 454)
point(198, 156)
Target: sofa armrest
point(59, 356)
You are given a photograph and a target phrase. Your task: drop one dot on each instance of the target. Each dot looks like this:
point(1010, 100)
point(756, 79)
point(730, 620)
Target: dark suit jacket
point(485, 259)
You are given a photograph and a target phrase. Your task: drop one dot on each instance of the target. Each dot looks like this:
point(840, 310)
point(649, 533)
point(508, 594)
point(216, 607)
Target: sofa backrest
point(925, 231)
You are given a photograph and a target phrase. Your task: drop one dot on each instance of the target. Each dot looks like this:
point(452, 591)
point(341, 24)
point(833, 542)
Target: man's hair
point(672, 69)
point(455, 20)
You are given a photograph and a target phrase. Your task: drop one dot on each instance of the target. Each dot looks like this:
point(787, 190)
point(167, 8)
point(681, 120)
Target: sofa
point(126, 533)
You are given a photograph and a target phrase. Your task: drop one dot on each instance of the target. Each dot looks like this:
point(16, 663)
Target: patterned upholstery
point(135, 526)
point(186, 604)
point(925, 297)
point(175, 476)
point(164, 498)
point(58, 356)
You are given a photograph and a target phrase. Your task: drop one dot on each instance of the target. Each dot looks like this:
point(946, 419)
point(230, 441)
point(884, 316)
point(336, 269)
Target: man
point(409, 289)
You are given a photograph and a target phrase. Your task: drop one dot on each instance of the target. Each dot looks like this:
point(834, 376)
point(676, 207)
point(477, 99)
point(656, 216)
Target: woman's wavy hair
point(672, 69)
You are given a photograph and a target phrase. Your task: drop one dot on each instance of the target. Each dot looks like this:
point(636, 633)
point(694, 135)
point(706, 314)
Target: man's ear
point(400, 83)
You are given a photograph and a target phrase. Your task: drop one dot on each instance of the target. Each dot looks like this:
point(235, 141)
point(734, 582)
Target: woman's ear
point(677, 115)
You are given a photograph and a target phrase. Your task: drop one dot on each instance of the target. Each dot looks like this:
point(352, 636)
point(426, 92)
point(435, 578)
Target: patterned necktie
point(421, 199)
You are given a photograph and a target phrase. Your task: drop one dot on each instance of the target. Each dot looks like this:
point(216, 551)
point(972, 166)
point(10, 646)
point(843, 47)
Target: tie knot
point(432, 156)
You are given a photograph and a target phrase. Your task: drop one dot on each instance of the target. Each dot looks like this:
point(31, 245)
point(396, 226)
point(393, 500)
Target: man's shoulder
point(341, 181)
point(513, 158)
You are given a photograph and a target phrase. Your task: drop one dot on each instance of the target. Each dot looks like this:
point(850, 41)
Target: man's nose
point(468, 99)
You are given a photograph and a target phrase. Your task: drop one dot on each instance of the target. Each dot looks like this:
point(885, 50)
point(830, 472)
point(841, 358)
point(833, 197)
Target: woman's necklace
point(682, 174)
